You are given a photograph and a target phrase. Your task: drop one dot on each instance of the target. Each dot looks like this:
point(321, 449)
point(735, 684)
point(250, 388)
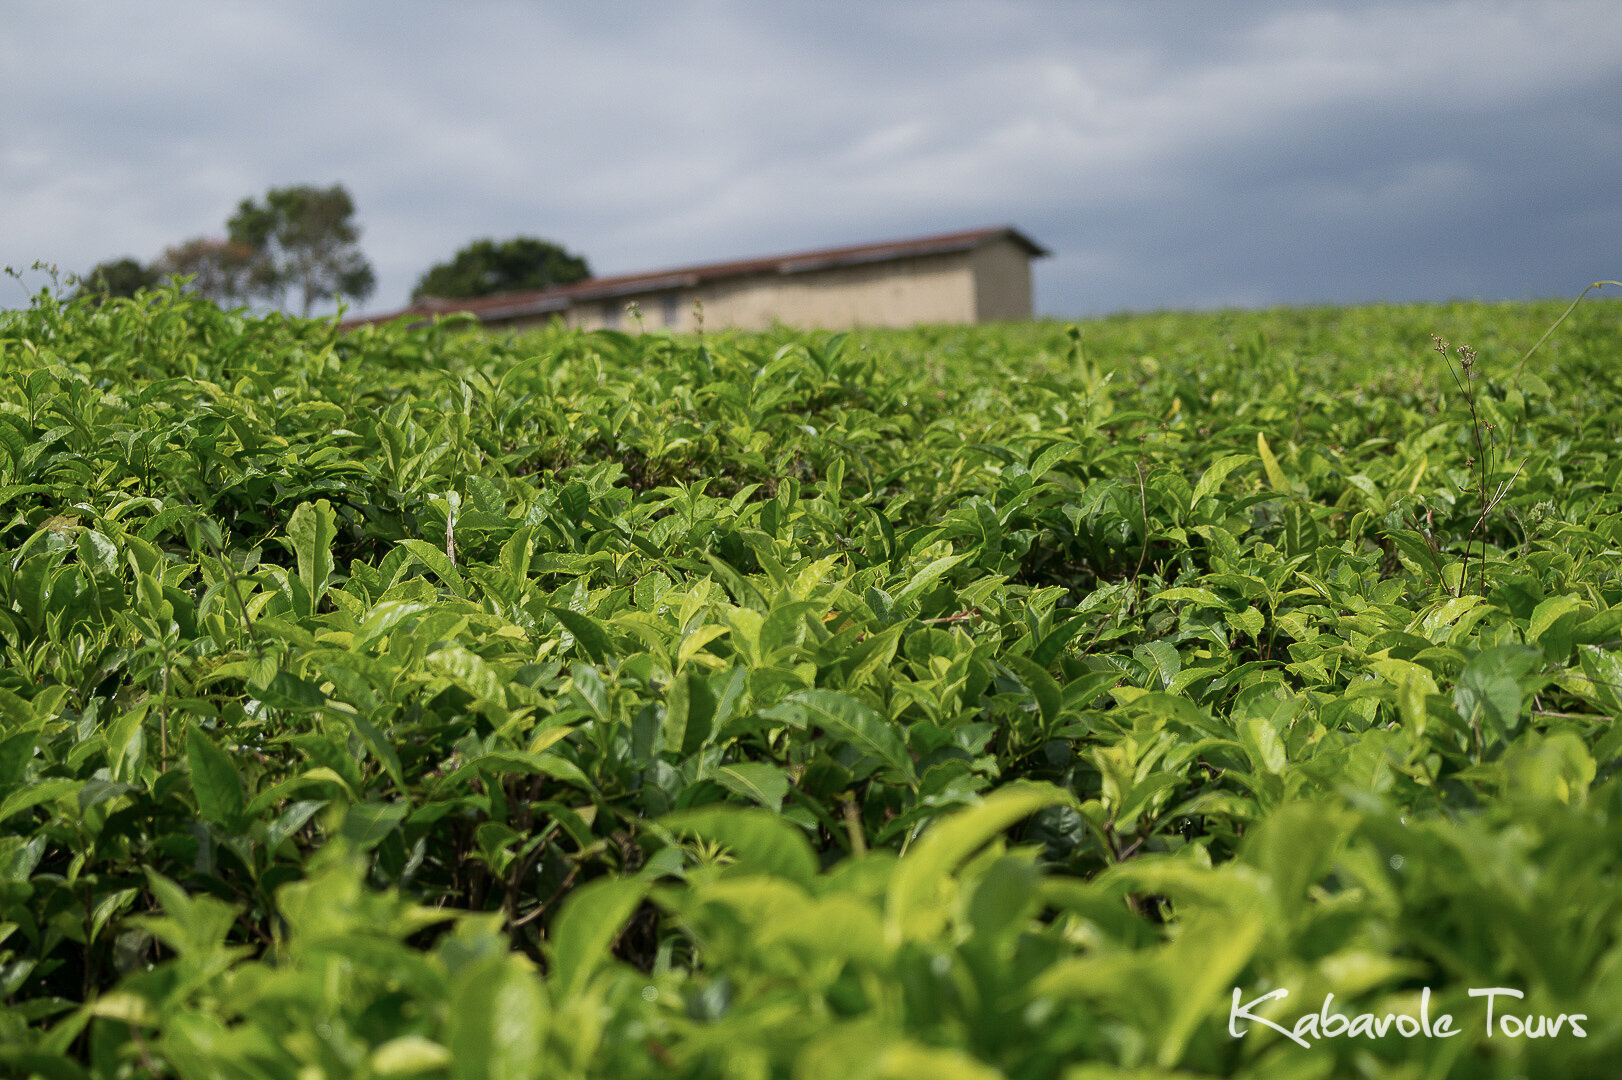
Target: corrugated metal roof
point(545, 301)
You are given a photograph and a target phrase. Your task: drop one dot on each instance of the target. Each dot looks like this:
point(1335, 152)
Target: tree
point(485, 268)
point(220, 270)
point(303, 238)
point(118, 277)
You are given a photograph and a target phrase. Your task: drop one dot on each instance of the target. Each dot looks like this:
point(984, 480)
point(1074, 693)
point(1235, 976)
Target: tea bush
point(967, 702)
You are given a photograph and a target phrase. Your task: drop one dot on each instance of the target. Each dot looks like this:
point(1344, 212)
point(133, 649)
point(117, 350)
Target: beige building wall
point(590, 314)
point(1002, 282)
point(657, 313)
point(534, 322)
point(990, 283)
point(924, 289)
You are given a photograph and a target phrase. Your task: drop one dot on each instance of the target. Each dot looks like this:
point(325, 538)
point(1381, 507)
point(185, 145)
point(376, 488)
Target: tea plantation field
point(1027, 701)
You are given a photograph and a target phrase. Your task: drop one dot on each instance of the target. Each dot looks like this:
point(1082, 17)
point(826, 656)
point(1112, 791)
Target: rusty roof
point(516, 305)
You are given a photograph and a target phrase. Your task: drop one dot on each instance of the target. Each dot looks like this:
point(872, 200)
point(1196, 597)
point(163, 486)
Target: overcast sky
point(1170, 154)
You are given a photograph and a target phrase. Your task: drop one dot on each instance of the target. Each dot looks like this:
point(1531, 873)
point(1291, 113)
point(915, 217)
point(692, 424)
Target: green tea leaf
point(410, 1055)
point(33, 794)
point(585, 928)
point(925, 579)
point(589, 633)
point(1210, 481)
point(1488, 690)
point(214, 781)
point(1262, 744)
point(1275, 475)
point(849, 720)
point(311, 528)
point(366, 824)
point(437, 562)
point(764, 783)
point(761, 841)
point(913, 906)
point(497, 1028)
point(1604, 673)
point(1049, 698)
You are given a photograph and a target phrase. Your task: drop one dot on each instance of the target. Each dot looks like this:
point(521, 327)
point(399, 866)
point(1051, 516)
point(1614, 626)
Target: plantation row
point(986, 702)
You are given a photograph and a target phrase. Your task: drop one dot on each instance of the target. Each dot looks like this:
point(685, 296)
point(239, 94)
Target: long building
point(979, 275)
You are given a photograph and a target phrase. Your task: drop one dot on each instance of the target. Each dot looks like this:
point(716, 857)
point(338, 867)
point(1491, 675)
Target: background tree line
point(301, 244)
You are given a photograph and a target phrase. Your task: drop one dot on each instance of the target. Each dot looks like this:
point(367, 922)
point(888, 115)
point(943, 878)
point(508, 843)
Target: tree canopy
point(486, 268)
point(303, 239)
point(119, 278)
point(220, 270)
point(300, 239)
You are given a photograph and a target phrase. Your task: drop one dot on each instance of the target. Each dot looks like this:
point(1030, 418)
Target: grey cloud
point(1170, 153)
